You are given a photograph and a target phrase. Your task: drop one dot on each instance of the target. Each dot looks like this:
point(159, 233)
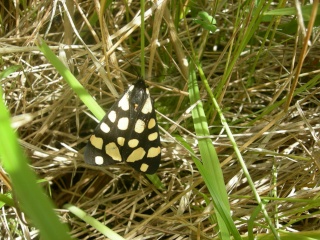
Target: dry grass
point(280, 146)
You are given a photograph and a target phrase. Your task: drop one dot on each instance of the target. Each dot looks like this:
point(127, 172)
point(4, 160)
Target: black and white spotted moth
point(127, 133)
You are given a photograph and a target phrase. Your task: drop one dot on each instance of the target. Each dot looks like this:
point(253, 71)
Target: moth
point(128, 133)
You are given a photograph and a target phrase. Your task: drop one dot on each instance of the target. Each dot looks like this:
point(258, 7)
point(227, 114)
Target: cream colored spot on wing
point(133, 143)
point(153, 152)
point(120, 141)
point(113, 151)
point(140, 126)
point(123, 123)
point(98, 160)
point(124, 102)
point(147, 107)
point(136, 155)
point(151, 123)
point(104, 128)
point(153, 136)
point(130, 88)
point(144, 167)
point(96, 142)
point(112, 116)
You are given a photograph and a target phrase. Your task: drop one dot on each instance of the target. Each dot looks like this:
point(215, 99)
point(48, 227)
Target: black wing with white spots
point(127, 133)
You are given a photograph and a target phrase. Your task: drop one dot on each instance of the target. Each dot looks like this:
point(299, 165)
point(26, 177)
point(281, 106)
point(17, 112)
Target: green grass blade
point(31, 198)
point(93, 222)
point(237, 152)
point(210, 168)
point(243, 37)
point(71, 80)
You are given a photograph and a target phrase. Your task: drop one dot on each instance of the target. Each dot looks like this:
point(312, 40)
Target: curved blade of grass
point(9, 70)
point(93, 222)
point(210, 167)
point(305, 10)
point(71, 80)
point(31, 198)
point(237, 152)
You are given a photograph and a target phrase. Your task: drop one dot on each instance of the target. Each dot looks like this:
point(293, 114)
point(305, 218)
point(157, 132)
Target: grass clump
point(236, 86)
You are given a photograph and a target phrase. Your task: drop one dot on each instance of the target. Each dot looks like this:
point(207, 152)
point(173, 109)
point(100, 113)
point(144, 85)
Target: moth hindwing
point(128, 132)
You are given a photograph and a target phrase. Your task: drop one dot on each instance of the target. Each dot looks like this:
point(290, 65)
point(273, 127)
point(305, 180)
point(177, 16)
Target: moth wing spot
point(123, 123)
point(96, 142)
point(151, 123)
point(144, 167)
point(153, 152)
point(104, 128)
point(121, 140)
point(124, 102)
point(153, 136)
point(136, 155)
point(98, 160)
point(139, 126)
point(112, 116)
point(147, 107)
point(113, 151)
point(133, 143)
point(131, 88)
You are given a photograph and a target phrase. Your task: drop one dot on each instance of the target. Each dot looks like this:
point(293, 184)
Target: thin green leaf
point(33, 201)
point(93, 222)
point(211, 171)
point(71, 80)
point(206, 21)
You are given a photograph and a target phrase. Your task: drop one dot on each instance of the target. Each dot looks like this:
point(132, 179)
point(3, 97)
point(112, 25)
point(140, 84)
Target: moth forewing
point(146, 155)
point(128, 132)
